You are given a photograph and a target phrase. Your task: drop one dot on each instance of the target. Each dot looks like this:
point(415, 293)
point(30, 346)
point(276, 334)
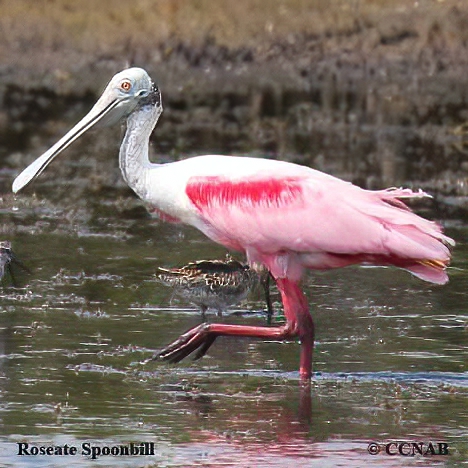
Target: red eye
point(126, 85)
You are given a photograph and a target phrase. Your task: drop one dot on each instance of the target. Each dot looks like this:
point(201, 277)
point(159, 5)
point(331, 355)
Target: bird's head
point(127, 91)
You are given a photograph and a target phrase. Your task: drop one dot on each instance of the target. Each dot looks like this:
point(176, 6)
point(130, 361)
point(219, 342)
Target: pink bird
point(287, 217)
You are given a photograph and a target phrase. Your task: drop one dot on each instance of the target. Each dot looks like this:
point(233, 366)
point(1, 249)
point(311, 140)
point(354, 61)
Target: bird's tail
point(419, 244)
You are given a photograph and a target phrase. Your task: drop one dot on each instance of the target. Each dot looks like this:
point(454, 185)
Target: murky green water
point(390, 362)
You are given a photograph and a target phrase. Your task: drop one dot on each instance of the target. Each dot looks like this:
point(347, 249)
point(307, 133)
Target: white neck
point(134, 161)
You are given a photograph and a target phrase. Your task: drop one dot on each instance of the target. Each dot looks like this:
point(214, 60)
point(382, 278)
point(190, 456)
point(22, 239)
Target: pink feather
point(320, 223)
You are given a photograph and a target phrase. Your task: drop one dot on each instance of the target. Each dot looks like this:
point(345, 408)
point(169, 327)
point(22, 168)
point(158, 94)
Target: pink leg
point(296, 311)
point(298, 323)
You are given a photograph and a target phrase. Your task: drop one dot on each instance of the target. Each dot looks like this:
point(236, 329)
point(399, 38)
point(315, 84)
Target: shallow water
point(77, 333)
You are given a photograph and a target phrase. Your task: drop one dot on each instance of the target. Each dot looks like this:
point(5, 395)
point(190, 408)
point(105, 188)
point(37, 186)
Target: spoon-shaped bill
point(101, 109)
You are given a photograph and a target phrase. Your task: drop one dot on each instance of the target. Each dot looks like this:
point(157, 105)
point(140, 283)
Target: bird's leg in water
point(298, 323)
point(296, 311)
point(203, 309)
point(265, 282)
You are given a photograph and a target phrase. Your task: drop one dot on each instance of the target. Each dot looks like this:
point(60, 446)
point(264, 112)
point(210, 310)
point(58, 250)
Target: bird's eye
point(126, 85)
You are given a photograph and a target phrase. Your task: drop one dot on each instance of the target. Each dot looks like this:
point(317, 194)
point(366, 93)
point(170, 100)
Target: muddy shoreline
point(379, 103)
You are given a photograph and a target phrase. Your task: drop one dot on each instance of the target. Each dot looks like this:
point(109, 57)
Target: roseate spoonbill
point(215, 284)
point(286, 217)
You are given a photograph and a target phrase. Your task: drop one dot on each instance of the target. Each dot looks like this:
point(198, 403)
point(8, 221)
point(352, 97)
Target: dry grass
point(100, 26)
point(96, 25)
point(63, 37)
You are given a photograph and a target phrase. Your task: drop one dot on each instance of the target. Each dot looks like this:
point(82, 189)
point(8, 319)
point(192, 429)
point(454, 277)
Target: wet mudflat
point(76, 335)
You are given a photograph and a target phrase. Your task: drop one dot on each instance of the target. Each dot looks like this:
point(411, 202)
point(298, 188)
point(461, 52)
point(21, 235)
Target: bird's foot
point(196, 338)
point(201, 338)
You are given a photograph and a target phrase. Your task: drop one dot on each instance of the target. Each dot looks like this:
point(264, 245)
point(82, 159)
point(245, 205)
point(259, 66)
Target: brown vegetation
point(370, 90)
point(56, 36)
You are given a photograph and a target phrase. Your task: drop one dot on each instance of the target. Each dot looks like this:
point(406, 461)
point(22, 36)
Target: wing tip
point(431, 270)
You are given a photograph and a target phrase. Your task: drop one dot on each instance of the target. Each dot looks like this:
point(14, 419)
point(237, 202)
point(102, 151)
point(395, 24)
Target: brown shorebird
point(215, 284)
point(7, 259)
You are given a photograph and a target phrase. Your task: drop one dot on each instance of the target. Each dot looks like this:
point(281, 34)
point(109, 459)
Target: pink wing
point(318, 222)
